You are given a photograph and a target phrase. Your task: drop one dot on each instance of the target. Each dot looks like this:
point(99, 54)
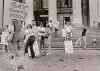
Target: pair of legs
point(81, 44)
point(29, 46)
point(42, 42)
point(12, 49)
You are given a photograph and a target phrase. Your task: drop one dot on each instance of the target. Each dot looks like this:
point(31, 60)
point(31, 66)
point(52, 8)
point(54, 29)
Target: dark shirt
point(31, 40)
point(84, 32)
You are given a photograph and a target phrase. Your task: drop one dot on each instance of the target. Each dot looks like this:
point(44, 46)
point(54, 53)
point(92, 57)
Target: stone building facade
point(16, 12)
point(79, 12)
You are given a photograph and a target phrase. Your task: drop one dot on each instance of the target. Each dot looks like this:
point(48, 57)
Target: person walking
point(51, 31)
point(42, 36)
point(12, 45)
point(82, 40)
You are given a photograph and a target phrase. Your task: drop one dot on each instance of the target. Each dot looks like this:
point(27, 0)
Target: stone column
point(1, 13)
point(52, 11)
point(77, 13)
point(85, 12)
point(30, 15)
point(94, 12)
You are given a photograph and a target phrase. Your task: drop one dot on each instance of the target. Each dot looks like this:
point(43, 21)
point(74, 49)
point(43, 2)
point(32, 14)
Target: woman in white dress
point(67, 38)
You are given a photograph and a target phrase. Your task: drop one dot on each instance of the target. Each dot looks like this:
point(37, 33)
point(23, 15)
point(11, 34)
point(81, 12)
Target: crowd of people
point(34, 37)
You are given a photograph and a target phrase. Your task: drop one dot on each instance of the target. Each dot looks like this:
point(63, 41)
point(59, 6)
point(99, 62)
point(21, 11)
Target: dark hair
point(50, 21)
point(30, 26)
point(84, 32)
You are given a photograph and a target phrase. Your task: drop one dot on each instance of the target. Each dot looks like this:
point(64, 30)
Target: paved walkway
point(81, 60)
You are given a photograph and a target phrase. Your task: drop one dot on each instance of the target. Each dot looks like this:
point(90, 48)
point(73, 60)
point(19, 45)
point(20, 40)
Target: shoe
point(17, 69)
point(48, 53)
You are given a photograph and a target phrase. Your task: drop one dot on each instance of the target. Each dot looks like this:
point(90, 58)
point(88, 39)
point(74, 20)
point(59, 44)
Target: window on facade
point(20, 1)
point(58, 3)
point(64, 3)
point(41, 4)
point(44, 3)
point(17, 25)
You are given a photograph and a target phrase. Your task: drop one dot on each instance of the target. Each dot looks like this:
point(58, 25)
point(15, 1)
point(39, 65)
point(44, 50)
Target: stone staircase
point(58, 40)
point(93, 34)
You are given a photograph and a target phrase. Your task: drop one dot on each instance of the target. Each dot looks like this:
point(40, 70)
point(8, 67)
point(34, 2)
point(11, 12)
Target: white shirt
point(68, 28)
point(4, 37)
point(51, 24)
point(11, 28)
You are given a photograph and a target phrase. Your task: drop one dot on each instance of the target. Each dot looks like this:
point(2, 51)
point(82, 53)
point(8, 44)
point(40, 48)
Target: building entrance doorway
point(66, 19)
point(43, 21)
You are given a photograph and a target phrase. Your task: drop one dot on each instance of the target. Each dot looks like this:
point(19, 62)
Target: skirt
point(68, 46)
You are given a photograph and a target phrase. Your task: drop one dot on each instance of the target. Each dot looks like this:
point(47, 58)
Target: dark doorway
point(67, 19)
point(43, 21)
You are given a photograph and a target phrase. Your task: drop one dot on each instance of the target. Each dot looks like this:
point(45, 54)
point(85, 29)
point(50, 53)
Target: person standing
point(36, 45)
point(12, 43)
point(51, 31)
point(68, 38)
point(84, 36)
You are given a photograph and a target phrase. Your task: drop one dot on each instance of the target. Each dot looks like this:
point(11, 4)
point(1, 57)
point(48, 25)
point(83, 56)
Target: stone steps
point(93, 34)
point(57, 42)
